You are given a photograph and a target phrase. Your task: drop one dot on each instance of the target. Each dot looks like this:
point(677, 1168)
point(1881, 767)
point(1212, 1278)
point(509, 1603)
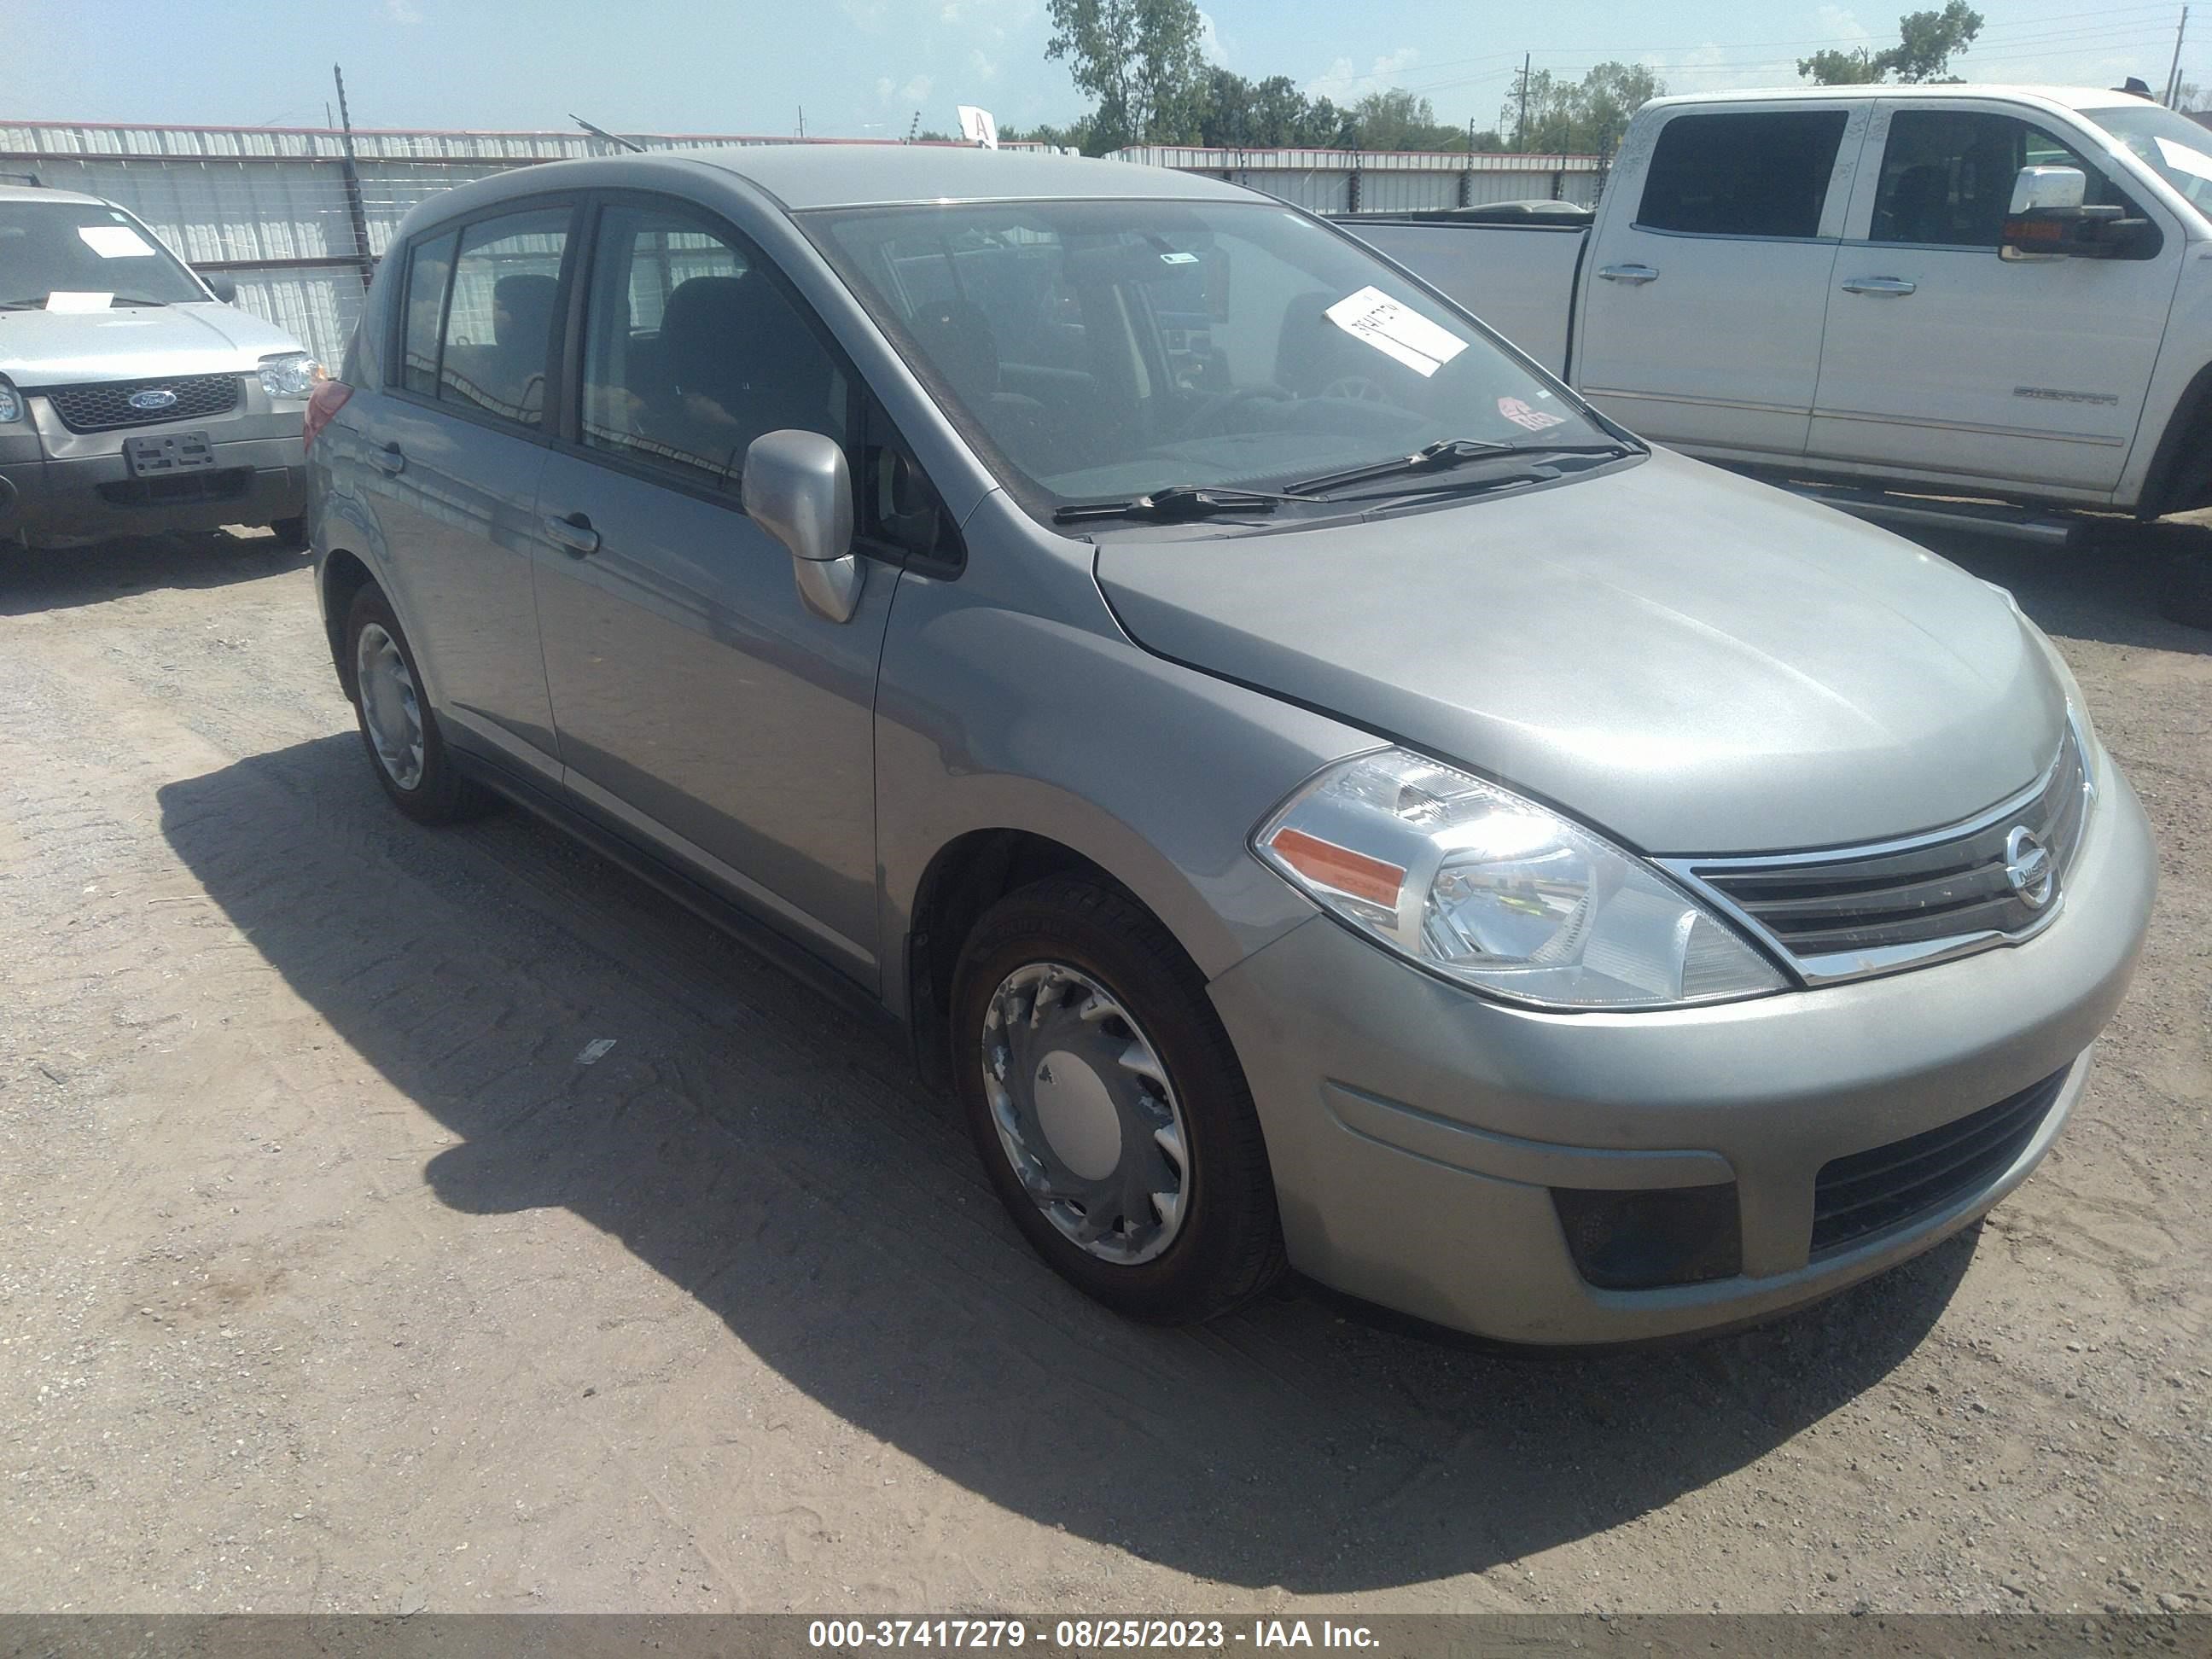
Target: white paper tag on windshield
point(2182, 159)
point(114, 242)
point(1373, 316)
point(65, 299)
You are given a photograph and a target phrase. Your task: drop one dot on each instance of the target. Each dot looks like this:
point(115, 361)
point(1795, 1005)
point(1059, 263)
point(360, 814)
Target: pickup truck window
point(1946, 175)
point(1109, 348)
point(1749, 173)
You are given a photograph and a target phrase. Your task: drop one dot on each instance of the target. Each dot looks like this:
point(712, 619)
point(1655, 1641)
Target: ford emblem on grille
point(2029, 867)
point(154, 397)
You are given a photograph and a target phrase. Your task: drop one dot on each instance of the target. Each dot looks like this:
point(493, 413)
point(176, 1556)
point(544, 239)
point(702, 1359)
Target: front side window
point(1097, 351)
point(85, 256)
point(1946, 175)
point(692, 350)
point(502, 322)
point(1754, 173)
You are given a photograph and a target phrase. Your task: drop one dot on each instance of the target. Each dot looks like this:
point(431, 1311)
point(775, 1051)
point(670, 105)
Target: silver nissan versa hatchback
point(1320, 794)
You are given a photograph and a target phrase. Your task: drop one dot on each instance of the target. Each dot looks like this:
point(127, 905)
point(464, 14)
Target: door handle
point(574, 532)
point(1634, 276)
point(1895, 287)
point(390, 460)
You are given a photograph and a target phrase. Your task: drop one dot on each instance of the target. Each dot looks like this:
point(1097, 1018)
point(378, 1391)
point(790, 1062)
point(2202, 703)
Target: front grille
point(106, 406)
point(1840, 913)
point(1853, 1197)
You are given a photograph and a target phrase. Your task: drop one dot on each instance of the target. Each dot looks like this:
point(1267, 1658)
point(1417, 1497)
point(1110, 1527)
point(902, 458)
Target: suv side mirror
point(798, 490)
point(218, 285)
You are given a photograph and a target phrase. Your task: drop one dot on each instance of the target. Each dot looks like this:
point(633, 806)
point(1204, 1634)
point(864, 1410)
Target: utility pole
point(356, 215)
point(1520, 124)
point(802, 121)
point(2173, 74)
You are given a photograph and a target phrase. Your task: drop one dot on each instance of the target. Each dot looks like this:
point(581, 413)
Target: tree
point(1927, 42)
point(1140, 59)
point(1585, 115)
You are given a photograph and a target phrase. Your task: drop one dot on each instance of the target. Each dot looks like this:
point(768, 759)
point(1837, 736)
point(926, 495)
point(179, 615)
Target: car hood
point(1694, 662)
point(59, 348)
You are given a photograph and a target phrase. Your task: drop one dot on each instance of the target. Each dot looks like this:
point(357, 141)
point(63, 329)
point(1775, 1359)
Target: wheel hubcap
point(389, 708)
point(1085, 1113)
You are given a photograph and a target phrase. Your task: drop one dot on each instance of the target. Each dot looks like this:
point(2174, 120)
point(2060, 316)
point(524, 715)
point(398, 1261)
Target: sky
point(864, 68)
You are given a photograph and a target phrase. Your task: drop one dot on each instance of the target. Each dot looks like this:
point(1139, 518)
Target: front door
point(700, 705)
point(1704, 292)
point(1944, 358)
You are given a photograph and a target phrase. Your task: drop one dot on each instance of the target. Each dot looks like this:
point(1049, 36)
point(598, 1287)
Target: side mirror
point(2047, 220)
point(221, 286)
point(2036, 190)
point(797, 489)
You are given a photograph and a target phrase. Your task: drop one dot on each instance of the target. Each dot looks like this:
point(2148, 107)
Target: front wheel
point(1108, 1107)
point(405, 748)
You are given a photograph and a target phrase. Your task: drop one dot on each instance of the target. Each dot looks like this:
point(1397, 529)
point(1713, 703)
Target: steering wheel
point(1218, 404)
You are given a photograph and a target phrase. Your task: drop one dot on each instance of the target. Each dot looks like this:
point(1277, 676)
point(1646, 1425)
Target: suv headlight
point(11, 404)
point(1474, 883)
point(293, 374)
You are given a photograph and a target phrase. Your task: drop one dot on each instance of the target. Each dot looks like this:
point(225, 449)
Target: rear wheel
point(1108, 1106)
point(405, 749)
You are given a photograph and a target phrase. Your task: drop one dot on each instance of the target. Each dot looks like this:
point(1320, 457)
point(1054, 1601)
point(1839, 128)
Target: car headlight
point(1474, 883)
point(293, 375)
point(11, 404)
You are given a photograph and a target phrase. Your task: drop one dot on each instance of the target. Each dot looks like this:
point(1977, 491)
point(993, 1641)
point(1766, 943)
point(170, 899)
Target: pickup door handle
point(390, 460)
point(574, 532)
point(1895, 287)
point(1634, 276)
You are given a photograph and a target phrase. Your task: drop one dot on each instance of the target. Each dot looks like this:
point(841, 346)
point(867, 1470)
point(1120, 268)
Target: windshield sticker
point(1373, 316)
point(114, 242)
point(1528, 415)
point(68, 300)
point(2182, 159)
point(1178, 258)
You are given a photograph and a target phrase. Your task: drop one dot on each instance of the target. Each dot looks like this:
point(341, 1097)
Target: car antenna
point(601, 132)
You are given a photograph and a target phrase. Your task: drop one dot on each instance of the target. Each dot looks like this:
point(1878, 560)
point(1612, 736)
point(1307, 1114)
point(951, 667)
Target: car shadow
point(2108, 587)
point(769, 1154)
point(61, 578)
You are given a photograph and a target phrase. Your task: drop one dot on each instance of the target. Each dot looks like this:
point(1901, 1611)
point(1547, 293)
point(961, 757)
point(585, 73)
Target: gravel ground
point(337, 1281)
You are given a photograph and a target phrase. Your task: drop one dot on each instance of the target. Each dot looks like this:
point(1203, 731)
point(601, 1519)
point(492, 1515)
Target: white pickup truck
point(1998, 292)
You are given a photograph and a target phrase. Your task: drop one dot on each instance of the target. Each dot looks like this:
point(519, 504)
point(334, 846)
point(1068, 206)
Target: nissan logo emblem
point(2029, 867)
point(154, 397)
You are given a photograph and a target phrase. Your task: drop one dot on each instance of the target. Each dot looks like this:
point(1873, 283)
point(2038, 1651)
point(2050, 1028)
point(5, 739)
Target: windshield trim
point(1040, 505)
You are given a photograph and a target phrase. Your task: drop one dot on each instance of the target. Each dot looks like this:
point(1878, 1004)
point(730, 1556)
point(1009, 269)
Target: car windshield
point(2172, 146)
point(1102, 351)
point(84, 256)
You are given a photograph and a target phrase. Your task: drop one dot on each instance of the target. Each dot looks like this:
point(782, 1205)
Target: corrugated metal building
point(274, 209)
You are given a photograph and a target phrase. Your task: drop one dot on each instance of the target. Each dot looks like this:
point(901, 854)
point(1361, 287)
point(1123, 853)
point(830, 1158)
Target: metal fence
point(300, 225)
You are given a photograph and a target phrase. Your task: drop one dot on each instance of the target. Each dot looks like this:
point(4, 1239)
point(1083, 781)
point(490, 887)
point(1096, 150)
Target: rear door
point(1706, 286)
point(701, 706)
point(453, 448)
point(1943, 356)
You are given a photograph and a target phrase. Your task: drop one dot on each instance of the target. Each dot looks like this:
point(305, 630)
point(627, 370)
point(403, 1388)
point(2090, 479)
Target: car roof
point(39, 193)
point(803, 176)
point(2069, 97)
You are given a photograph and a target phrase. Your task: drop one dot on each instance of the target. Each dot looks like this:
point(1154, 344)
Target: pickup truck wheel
point(2188, 596)
point(405, 749)
point(1108, 1106)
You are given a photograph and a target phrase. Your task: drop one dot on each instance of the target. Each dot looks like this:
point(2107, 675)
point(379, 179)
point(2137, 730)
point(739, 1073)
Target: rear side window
point(1759, 174)
point(691, 350)
point(503, 319)
point(429, 265)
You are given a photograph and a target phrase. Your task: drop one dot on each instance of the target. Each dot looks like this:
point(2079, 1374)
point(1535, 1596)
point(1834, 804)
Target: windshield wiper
point(1449, 452)
point(22, 305)
point(133, 299)
point(1179, 501)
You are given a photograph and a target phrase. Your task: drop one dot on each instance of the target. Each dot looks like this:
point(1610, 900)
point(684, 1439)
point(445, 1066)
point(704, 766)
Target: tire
point(292, 533)
point(2188, 596)
point(1225, 1244)
point(426, 785)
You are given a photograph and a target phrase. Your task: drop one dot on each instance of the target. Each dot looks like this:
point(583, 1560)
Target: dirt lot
point(336, 1282)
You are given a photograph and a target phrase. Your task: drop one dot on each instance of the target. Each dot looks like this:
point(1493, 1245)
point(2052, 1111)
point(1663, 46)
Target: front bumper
point(58, 487)
point(1418, 1131)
